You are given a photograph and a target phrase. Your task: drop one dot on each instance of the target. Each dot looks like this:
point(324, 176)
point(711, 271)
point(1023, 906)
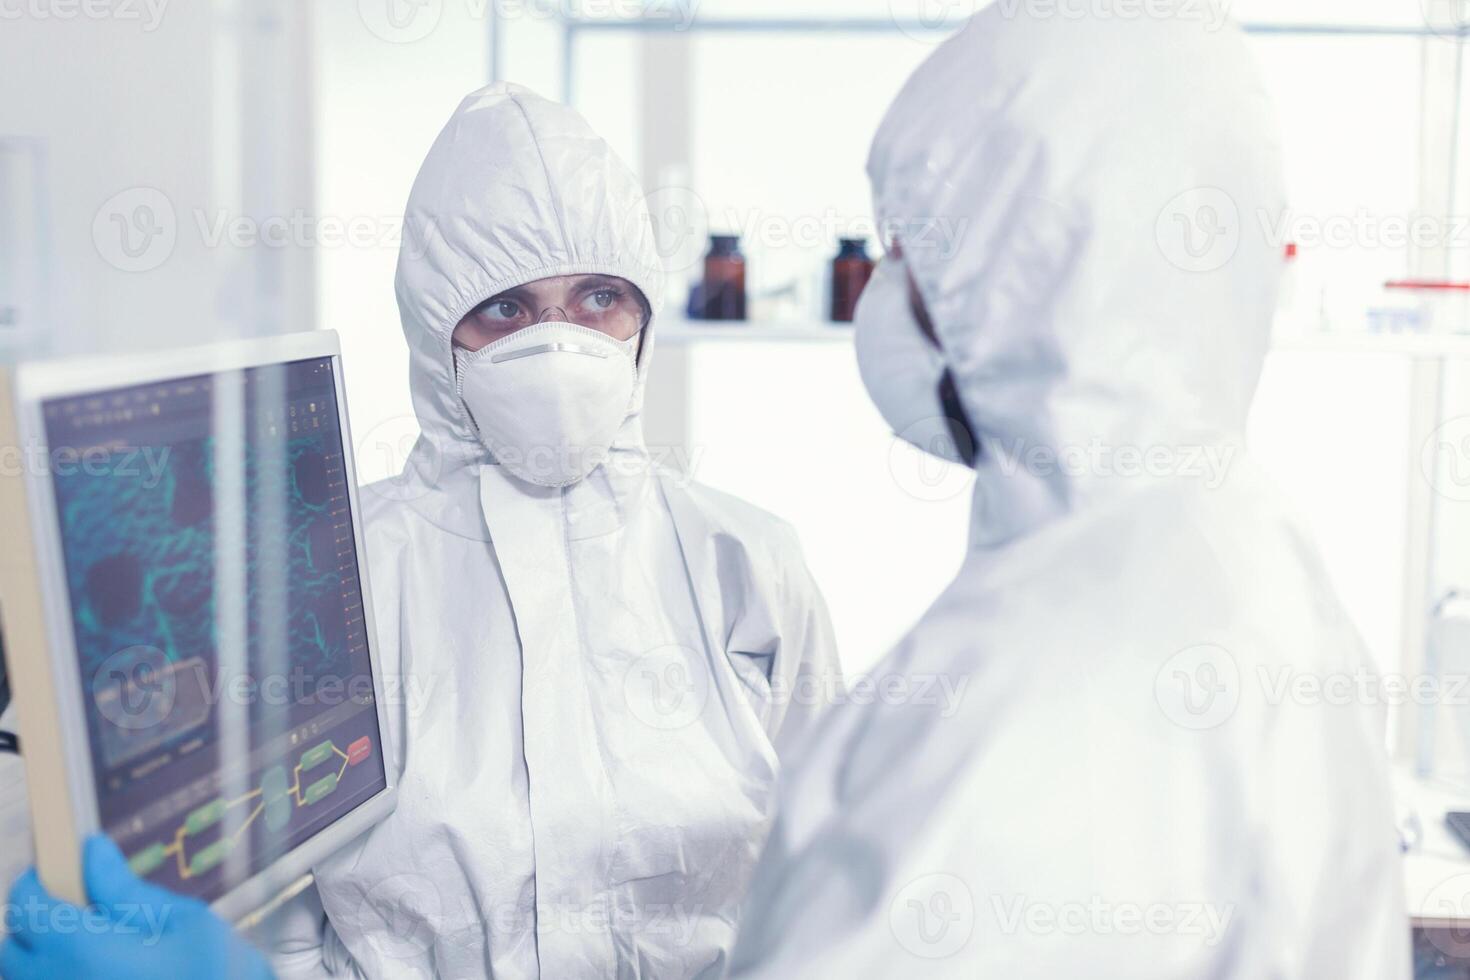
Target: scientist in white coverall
point(1128, 790)
point(1125, 793)
point(597, 657)
point(595, 667)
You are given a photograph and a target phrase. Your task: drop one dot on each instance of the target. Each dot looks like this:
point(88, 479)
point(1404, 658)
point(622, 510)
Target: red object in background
point(1439, 285)
point(359, 750)
point(1291, 250)
point(851, 270)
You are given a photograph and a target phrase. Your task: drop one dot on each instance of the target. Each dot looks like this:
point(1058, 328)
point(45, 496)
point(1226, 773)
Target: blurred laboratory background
point(176, 172)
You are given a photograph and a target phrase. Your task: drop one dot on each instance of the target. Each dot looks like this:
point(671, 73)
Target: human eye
point(603, 298)
point(500, 308)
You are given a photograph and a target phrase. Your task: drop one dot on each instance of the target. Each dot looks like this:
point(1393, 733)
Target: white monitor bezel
point(39, 382)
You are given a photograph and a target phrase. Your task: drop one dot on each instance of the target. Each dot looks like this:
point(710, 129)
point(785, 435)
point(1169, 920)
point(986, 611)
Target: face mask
point(905, 374)
point(548, 400)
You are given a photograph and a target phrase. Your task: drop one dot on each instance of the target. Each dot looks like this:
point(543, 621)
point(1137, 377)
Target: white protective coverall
point(1130, 788)
point(595, 680)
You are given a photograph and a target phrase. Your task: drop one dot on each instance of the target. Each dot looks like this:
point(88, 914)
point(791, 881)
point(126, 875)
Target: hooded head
point(515, 188)
point(1081, 205)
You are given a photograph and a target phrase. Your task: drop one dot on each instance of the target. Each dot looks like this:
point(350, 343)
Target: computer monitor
point(187, 615)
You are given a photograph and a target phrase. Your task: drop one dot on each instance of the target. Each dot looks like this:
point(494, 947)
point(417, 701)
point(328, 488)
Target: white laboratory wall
point(1332, 429)
point(787, 425)
point(787, 174)
point(1352, 154)
point(166, 132)
point(382, 95)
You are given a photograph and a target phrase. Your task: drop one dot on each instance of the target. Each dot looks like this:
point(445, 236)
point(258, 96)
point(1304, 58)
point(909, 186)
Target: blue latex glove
point(132, 930)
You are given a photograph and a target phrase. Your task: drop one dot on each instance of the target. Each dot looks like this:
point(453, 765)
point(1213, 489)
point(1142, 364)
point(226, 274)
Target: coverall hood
point(514, 189)
point(1123, 742)
point(1092, 247)
point(590, 717)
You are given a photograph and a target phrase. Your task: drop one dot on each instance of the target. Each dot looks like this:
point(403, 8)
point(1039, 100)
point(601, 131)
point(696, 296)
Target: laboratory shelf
point(752, 331)
point(574, 26)
point(1408, 345)
point(890, 25)
point(680, 331)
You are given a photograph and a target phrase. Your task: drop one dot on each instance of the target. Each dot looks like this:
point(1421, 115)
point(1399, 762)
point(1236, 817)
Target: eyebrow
point(588, 281)
point(515, 293)
point(597, 279)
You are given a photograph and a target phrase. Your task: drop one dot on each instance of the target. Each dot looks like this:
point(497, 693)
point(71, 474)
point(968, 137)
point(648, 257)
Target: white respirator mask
point(904, 373)
point(548, 400)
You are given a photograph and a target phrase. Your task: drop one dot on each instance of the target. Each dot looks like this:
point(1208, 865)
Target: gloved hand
point(132, 930)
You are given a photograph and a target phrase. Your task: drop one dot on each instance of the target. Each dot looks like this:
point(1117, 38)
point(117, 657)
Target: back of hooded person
point(592, 677)
point(1126, 787)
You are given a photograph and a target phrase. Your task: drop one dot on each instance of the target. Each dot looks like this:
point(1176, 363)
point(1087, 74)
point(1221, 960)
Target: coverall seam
point(566, 554)
point(551, 193)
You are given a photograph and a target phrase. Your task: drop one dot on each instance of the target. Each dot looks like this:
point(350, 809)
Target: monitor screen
point(218, 616)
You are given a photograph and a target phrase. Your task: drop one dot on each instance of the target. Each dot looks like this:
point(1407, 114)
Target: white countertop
point(1437, 869)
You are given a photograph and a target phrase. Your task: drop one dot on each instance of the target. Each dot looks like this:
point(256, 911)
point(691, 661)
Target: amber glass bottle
point(851, 270)
point(724, 279)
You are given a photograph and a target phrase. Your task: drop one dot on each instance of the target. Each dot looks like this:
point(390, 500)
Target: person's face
point(606, 303)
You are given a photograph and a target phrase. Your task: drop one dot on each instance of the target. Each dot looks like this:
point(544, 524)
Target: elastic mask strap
point(631, 346)
point(961, 432)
